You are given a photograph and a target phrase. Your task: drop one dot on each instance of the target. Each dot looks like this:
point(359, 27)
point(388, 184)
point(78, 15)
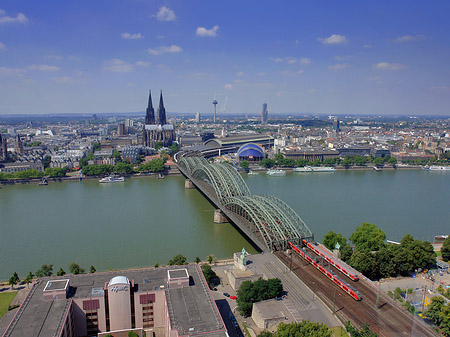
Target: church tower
point(150, 116)
point(161, 112)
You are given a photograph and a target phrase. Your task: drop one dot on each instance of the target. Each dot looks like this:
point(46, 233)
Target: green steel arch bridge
point(268, 221)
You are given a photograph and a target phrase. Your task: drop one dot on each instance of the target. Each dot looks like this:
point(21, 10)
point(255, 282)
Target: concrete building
point(121, 129)
point(268, 314)
point(309, 153)
point(163, 302)
point(264, 114)
point(3, 149)
point(197, 117)
point(17, 167)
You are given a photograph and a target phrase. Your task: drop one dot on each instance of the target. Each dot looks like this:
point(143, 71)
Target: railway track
point(386, 319)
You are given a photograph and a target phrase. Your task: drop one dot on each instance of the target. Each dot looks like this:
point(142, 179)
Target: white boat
point(275, 173)
point(253, 173)
point(111, 179)
point(302, 169)
point(438, 168)
point(322, 169)
point(376, 168)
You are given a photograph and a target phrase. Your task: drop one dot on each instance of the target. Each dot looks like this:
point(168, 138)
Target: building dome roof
point(118, 280)
point(250, 149)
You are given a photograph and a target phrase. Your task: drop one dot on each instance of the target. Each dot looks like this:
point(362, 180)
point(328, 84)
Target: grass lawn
point(438, 253)
point(338, 332)
point(5, 301)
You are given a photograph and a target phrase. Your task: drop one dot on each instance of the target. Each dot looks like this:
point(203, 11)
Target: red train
point(316, 249)
point(344, 286)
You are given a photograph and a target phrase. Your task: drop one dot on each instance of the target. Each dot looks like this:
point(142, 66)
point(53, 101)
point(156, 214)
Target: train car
point(329, 274)
point(352, 275)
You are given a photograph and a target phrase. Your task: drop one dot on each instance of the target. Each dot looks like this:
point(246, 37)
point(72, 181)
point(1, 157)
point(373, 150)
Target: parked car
point(226, 294)
point(233, 298)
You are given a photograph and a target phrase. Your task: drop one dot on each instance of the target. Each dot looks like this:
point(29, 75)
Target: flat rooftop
point(54, 285)
point(192, 309)
point(178, 273)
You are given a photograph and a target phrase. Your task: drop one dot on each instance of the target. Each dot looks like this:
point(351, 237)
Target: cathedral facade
point(3, 149)
point(157, 129)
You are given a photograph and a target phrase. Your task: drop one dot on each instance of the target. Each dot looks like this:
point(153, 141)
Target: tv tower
point(215, 105)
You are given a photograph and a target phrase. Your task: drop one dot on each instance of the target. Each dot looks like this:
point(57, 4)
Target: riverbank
point(169, 171)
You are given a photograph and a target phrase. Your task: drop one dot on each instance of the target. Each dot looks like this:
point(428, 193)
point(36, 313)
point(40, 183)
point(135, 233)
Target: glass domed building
point(250, 152)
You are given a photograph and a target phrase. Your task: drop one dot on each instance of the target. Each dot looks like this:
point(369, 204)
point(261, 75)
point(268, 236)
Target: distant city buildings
point(157, 130)
point(264, 114)
point(3, 149)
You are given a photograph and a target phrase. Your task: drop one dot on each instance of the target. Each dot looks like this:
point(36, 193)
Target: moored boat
point(323, 169)
point(252, 173)
point(275, 173)
point(111, 179)
point(302, 169)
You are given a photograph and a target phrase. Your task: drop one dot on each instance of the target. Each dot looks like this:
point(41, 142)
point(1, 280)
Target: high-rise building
point(264, 114)
point(3, 149)
point(121, 129)
point(157, 131)
point(336, 126)
point(197, 117)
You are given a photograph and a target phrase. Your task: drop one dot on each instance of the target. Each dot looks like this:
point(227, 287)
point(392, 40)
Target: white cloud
point(117, 66)
point(241, 73)
point(164, 67)
point(135, 36)
point(339, 66)
point(409, 38)
point(261, 74)
point(389, 66)
point(228, 86)
point(53, 57)
point(333, 39)
point(64, 79)
point(11, 71)
point(44, 67)
point(3, 46)
point(165, 49)
point(238, 81)
point(165, 14)
point(202, 31)
point(20, 18)
point(305, 60)
point(277, 60)
point(292, 73)
point(367, 46)
point(291, 60)
point(143, 64)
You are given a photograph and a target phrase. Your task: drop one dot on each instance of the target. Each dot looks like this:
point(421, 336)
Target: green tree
point(265, 333)
point(55, 172)
point(331, 238)
point(46, 162)
point(445, 250)
point(13, 280)
point(92, 270)
point(117, 156)
point(178, 260)
point(346, 253)
point(378, 161)
point(368, 236)
point(156, 265)
point(209, 274)
point(197, 260)
point(301, 162)
point(392, 161)
point(46, 270)
point(304, 328)
point(244, 164)
point(132, 334)
point(174, 148)
point(385, 261)
point(28, 174)
point(61, 272)
point(75, 269)
point(210, 258)
point(363, 332)
point(260, 290)
point(365, 262)
point(96, 146)
point(267, 163)
point(158, 145)
point(278, 158)
point(154, 165)
point(29, 278)
point(123, 168)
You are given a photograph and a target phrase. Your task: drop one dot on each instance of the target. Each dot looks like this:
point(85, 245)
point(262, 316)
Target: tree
point(46, 162)
point(46, 270)
point(121, 167)
point(55, 172)
point(132, 334)
point(158, 145)
point(260, 290)
point(60, 272)
point(174, 148)
point(392, 161)
point(365, 262)
point(156, 265)
point(117, 156)
point(210, 258)
point(244, 164)
point(265, 333)
point(92, 270)
point(301, 162)
point(13, 280)
point(29, 278)
point(445, 250)
point(178, 260)
point(267, 163)
point(209, 274)
point(331, 238)
point(197, 260)
point(96, 146)
point(75, 269)
point(368, 236)
point(363, 332)
point(304, 328)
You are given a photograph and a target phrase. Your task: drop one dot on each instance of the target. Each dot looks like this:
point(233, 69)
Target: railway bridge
point(268, 221)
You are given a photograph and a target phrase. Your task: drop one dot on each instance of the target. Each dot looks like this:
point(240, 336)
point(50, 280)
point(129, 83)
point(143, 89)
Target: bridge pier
point(219, 217)
point(188, 184)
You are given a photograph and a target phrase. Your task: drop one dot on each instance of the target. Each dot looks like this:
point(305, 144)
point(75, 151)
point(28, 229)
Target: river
point(147, 220)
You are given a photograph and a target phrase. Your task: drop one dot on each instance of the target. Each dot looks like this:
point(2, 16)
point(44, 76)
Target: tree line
point(371, 256)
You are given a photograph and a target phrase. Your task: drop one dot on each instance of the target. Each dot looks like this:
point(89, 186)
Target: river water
point(146, 220)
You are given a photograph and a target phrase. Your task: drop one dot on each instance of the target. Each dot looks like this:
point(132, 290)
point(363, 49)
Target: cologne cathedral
point(157, 130)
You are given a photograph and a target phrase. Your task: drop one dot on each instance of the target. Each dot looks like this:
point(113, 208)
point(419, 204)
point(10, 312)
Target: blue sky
point(320, 57)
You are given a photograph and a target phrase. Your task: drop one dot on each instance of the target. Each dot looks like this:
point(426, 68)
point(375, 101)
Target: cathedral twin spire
point(150, 116)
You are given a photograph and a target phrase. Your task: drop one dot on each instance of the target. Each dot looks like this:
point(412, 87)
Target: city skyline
point(328, 58)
